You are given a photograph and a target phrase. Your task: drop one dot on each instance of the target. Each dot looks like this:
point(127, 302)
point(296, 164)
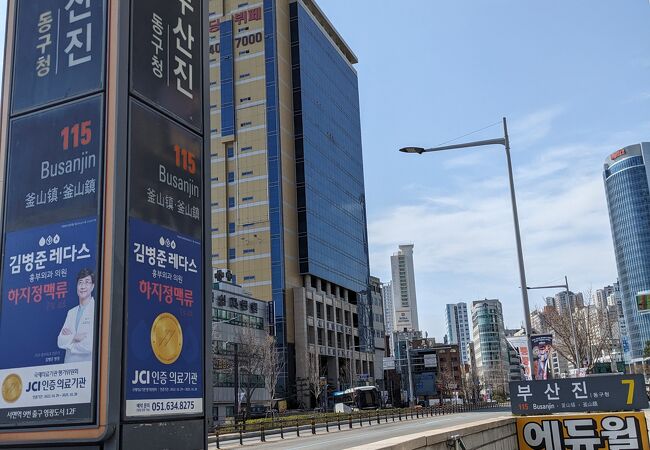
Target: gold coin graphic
point(12, 387)
point(166, 338)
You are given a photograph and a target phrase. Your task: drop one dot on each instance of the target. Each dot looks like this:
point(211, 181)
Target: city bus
point(355, 399)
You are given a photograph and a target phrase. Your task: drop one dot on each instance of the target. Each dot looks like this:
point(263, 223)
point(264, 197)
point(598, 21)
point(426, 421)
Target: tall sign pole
point(104, 192)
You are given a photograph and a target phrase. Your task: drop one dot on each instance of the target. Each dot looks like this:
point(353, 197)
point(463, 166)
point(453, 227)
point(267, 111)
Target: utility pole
point(236, 378)
point(410, 373)
point(573, 325)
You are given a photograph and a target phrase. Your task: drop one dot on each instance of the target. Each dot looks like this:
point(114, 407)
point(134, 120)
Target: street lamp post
point(505, 141)
point(410, 374)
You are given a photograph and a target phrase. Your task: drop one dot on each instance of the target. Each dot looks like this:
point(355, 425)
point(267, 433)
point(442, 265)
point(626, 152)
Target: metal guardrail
point(287, 425)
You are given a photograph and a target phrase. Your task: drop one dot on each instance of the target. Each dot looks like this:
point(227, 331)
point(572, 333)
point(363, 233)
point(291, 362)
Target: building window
point(231, 227)
point(247, 199)
point(232, 253)
point(248, 172)
point(245, 149)
point(231, 202)
point(249, 277)
point(231, 177)
point(231, 152)
point(248, 251)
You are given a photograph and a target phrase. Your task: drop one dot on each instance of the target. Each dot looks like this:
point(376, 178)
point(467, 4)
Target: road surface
point(346, 438)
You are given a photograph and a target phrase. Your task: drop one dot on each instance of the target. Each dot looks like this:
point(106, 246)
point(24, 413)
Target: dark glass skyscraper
point(627, 185)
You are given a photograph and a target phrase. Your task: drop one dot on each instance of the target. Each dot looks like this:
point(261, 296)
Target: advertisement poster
point(520, 344)
point(59, 52)
point(164, 364)
point(425, 384)
point(47, 324)
point(542, 345)
point(643, 301)
point(164, 351)
point(594, 431)
point(49, 308)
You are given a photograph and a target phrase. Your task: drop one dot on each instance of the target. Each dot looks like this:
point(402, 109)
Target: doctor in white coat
point(76, 336)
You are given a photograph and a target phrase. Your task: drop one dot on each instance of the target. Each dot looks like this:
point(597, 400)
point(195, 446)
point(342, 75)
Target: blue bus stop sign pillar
point(104, 232)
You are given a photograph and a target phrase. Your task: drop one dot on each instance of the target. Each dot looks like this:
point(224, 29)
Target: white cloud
point(464, 241)
point(467, 159)
point(534, 126)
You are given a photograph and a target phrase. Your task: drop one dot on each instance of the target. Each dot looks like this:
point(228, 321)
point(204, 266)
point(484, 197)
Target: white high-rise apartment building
point(601, 295)
point(389, 311)
point(457, 323)
point(404, 300)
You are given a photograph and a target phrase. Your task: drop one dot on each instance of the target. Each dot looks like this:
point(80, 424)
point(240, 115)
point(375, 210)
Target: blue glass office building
point(329, 166)
point(627, 186)
point(288, 211)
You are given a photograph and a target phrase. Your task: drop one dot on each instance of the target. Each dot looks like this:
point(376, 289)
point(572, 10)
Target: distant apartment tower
point(601, 295)
point(457, 322)
point(615, 300)
point(490, 346)
point(389, 314)
point(565, 300)
point(627, 187)
point(404, 299)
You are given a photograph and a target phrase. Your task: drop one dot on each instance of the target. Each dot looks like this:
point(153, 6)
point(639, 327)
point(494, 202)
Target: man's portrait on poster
point(76, 336)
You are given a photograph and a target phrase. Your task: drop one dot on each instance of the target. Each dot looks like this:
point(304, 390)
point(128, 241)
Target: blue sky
point(573, 79)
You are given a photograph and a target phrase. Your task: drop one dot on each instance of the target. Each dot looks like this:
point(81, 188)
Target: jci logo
point(12, 387)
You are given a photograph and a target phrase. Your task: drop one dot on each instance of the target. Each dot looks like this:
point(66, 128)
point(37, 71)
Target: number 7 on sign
point(630, 390)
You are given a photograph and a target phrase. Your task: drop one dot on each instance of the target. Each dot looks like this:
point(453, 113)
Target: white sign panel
point(430, 360)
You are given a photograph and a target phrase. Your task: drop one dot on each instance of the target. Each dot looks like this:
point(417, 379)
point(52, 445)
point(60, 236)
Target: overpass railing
point(309, 424)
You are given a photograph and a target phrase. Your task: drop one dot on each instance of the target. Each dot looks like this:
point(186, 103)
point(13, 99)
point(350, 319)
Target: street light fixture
point(505, 141)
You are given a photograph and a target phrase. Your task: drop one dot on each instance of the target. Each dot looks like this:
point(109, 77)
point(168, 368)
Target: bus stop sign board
point(589, 394)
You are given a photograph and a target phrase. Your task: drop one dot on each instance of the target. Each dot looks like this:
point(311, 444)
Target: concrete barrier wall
point(491, 434)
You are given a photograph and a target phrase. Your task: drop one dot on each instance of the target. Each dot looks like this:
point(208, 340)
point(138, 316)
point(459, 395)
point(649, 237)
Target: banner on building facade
point(425, 384)
point(389, 363)
point(430, 360)
point(542, 347)
point(520, 344)
point(643, 301)
point(593, 431)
